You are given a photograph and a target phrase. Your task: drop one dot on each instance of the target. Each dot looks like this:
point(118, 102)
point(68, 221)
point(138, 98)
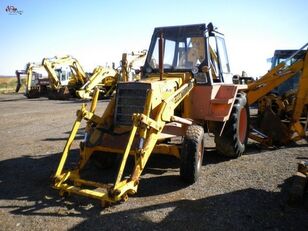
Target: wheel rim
point(242, 125)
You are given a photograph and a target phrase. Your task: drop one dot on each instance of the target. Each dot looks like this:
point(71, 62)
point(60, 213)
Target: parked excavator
point(36, 84)
point(185, 89)
point(65, 75)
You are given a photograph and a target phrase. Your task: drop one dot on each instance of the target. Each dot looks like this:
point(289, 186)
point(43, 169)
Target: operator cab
point(64, 74)
point(193, 48)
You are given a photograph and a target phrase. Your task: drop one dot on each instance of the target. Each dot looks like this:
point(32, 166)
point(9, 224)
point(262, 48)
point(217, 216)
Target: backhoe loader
point(185, 89)
point(65, 75)
point(36, 83)
point(282, 95)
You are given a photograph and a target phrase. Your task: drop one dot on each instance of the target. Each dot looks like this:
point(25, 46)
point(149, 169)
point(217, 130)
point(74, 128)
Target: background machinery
point(284, 56)
point(36, 83)
point(106, 79)
point(282, 96)
point(65, 75)
point(131, 64)
point(186, 89)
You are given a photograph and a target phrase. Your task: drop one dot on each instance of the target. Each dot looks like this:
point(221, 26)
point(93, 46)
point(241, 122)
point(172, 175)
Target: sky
point(98, 32)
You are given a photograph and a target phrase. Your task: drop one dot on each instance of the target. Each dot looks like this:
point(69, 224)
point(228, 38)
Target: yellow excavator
point(36, 84)
point(185, 89)
point(65, 75)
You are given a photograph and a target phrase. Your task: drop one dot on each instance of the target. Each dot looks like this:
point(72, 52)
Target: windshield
point(183, 53)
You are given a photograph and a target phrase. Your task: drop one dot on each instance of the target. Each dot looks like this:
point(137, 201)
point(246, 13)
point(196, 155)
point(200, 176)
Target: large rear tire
point(232, 143)
point(192, 154)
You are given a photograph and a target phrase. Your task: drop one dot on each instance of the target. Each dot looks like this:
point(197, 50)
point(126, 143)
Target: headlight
point(195, 70)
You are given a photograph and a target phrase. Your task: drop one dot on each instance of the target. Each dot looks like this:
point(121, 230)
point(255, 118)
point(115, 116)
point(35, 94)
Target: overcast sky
point(98, 32)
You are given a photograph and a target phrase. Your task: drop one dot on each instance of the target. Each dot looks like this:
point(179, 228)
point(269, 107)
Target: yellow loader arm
point(99, 75)
point(145, 130)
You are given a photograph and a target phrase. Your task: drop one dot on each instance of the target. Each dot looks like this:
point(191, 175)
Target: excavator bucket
point(274, 128)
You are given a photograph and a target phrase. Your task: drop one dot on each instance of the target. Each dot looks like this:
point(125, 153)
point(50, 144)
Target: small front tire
point(192, 154)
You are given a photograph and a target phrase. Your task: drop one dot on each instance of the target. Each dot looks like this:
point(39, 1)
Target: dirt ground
point(248, 193)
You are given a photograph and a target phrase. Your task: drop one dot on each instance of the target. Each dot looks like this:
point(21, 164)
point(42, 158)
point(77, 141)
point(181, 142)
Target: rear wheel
point(232, 142)
point(192, 154)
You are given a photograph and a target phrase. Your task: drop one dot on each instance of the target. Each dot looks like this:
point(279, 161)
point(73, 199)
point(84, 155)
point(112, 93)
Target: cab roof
point(176, 31)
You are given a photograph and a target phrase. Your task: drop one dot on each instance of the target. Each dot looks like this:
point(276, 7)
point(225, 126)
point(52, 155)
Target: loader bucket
point(274, 128)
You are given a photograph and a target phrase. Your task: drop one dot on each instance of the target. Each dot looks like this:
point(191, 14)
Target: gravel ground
point(248, 193)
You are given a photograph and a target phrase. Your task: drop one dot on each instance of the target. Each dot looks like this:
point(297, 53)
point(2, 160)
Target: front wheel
point(232, 142)
point(192, 154)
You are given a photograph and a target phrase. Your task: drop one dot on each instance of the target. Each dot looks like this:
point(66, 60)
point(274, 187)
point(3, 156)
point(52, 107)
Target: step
point(212, 117)
point(222, 101)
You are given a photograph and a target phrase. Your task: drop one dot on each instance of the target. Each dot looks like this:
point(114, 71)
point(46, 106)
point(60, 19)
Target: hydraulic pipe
point(161, 56)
